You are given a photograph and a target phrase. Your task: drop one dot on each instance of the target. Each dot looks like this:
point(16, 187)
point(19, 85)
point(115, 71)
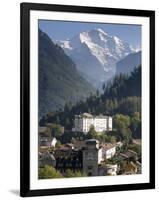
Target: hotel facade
point(84, 121)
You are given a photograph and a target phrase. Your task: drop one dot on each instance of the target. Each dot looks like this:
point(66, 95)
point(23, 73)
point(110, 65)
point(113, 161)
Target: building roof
point(47, 155)
point(111, 165)
point(107, 146)
point(128, 154)
point(88, 115)
point(79, 144)
point(42, 129)
point(46, 139)
point(92, 141)
point(49, 124)
point(119, 144)
point(68, 146)
point(101, 117)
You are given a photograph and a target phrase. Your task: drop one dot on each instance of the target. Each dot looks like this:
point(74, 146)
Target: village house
point(44, 131)
point(47, 141)
point(46, 158)
point(90, 157)
point(119, 145)
point(94, 155)
point(112, 169)
point(128, 155)
point(105, 151)
point(49, 125)
point(67, 158)
point(69, 145)
point(108, 169)
point(79, 144)
point(108, 150)
point(84, 121)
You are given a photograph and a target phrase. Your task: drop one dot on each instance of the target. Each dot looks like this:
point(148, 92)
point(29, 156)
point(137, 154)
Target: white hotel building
point(84, 121)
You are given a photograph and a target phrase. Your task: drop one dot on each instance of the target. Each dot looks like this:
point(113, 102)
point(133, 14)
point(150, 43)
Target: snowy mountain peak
point(101, 31)
point(96, 53)
point(117, 40)
point(97, 31)
point(64, 44)
point(94, 35)
point(84, 37)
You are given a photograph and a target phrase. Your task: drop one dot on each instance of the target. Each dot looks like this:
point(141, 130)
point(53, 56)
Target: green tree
point(67, 107)
point(67, 122)
point(48, 172)
point(102, 137)
point(130, 105)
point(122, 123)
point(112, 139)
point(136, 125)
point(97, 92)
point(127, 136)
point(69, 173)
point(80, 174)
point(92, 134)
point(58, 144)
point(136, 148)
point(103, 87)
point(57, 120)
point(56, 130)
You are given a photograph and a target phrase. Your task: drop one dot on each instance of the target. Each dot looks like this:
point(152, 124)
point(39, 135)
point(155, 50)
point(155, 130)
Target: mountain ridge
point(59, 80)
point(127, 64)
point(96, 53)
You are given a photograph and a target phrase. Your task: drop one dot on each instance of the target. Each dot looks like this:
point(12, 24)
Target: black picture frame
point(25, 9)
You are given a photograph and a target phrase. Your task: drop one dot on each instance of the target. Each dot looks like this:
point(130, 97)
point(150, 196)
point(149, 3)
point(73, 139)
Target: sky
point(62, 30)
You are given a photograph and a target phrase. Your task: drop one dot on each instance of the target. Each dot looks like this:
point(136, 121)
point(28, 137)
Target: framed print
point(87, 99)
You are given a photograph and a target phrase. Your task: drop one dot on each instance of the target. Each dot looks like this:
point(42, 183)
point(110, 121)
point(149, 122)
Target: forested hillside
point(59, 81)
point(121, 96)
point(127, 64)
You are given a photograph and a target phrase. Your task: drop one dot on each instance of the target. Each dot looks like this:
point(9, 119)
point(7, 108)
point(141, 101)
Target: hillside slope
point(121, 96)
point(59, 81)
point(127, 64)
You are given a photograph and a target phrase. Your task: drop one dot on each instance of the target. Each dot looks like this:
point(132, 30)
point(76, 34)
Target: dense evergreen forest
point(120, 98)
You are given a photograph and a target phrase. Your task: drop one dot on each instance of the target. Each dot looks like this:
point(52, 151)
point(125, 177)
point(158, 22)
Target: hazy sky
point(60, 30)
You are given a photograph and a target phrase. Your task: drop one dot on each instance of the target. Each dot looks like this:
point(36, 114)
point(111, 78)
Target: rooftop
point(42, 129)
point(128, 154)
point(92, 141)
point(47, 155)
point(79, 144)
point(46, 139)
point(88, 115)
point(107, 146)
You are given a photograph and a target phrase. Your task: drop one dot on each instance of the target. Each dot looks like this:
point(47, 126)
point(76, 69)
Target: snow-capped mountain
point(96, 54)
